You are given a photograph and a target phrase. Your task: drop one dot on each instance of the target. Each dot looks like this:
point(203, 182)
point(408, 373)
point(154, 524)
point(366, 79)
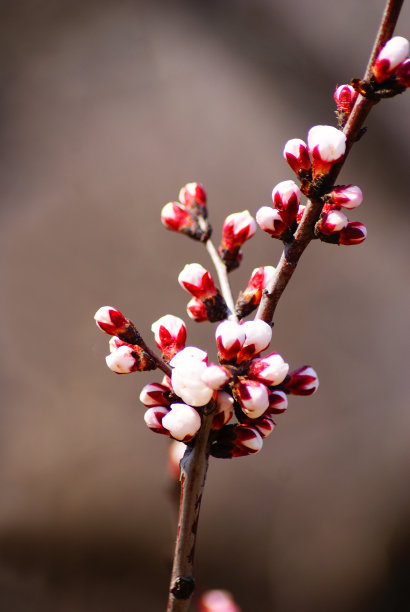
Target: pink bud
point(248, 441)
point(196, 310)
point(176, 451)
point(224, 410)
point(188, 367)
point(237, 229)
point(170, 335)
point(216, 376)
point(193, 196)
point(345, 97)
point(258, 335)
point(271, 221)
point(127, 359)
point(195, 279)
point(112, 321)
point(403, 73)
point(278, 402)
point(348, 196)
point(217, 601)
point(249, 299)
point(286, 199)
point(153, 419)
point(327, 145)
point(264, 425)
point(253, 397)
point(303, 381)
point(271, 369)
point(331, 222)
point(392, 55)
point(230, 337)
point(354, 233)
point(182, 422)
point(154, 394)
point(116, 342)
point(300, 213)
point(296, 154)
point(175, 216)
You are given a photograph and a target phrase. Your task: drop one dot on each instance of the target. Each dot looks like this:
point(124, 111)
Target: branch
point(305, 232)
point(223, 278)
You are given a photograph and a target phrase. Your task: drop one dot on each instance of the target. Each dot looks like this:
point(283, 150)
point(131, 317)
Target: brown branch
point(305, 232)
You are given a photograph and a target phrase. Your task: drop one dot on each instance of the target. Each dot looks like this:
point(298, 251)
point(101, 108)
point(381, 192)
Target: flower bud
point(271, 221)
point(249, 299)
point(230, 337)
point(153, 419)
point(271, 369)
point(300, 213)
point(258, 335)
point(296, 154)
point(403, 73)
point(236, 441)
point(170, 335)
point(345, 97)
point(112, 321)
point(224, 410)
point(348, 196)
point(217, 601)
point(278, 402)
point(127, 359)
point(154, 394)
point(176, 451)
point(303, 381)
point(264, 425)
point(286, 199)
point(253, 397)
point(187, 370)
point(216, 376)
point(116, 342)
point(177, 218)
point(193, 196)
point(327, 145)
point(237, 228)
point(182, 422)
point(196, 310)
point(331, 222)
point(392, 55)
point(195, 279)
point(354, 233)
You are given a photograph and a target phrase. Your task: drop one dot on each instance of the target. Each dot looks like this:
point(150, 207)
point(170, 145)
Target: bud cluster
point(188, 216)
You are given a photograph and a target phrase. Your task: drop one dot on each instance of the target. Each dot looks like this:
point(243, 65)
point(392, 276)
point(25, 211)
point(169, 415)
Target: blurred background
point(107, 109)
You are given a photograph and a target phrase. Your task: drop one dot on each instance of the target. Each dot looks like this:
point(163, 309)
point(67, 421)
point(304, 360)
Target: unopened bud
point(327, 145)
point(127, 359)
point(354, 233)
point(286, 199)
point(193, 196)
point(296, 154)
point(224, 410)
point(347, 196)
point(264, 424)
point(258, 335)
point(230, 337)
point(170, 335)
point(237, 229)
point(216, 376)
point(278, 401)
point(303, 381)
point(253, 397)
point(182, 422)
point(154, 394)
point(271, 221)
point(188, 367)
point(331, 222)
point(392, 55)
point(112, 321)
point(176, 217)
point(271, 369)
point(195, 279)
point(196, 310)
point(300, 213)
point(153, 419)
point(345, 97)
point(249, 299)
point(236, 441)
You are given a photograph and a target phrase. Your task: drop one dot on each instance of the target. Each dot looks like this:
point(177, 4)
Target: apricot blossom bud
point(195, 279)
point(177, 218)
point(249, 299)
point(216, 376)
point(345, 97)
point(347, 196)
point(258, 335)
point(188, 366)
point(112, 321)
point(127, 359)
point(170, 335)
point(392, 55)
point(237, 229)
point(354, 233)
point(236, 441)
point(264, 425)
point(154, 394)
point(331, 222)
point(230, 337)
point(296, 154)
point(253, 397)
point(182, 422)
point(303, 381)
point(224, 410)
point(327, 145)
point(286, 199)
point(271, 369)
point(153, 419)
point(193, 196)
point(196, 310)
point(271, 221)
point(278, 401)
point(300, 212)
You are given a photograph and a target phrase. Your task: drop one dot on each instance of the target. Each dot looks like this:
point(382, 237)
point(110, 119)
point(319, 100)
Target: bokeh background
point(107, 108)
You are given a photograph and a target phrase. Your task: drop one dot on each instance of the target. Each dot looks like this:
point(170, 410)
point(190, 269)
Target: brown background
point(107, 108)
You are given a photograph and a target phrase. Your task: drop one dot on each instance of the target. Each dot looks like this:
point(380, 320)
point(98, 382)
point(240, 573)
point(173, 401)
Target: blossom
point(182, 421)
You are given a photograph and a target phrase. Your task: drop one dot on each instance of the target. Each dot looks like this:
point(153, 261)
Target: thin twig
point(223, 278)
point(305, 232)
